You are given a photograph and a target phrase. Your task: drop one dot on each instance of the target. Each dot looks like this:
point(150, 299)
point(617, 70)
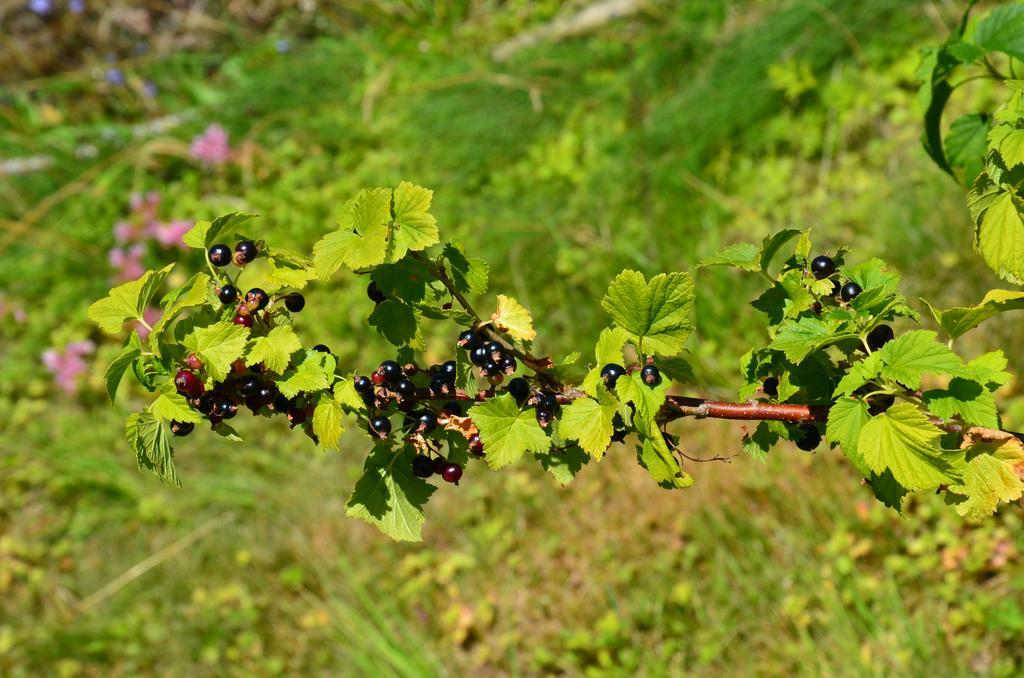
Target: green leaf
point(1000, 238)
point(119, 365)
point(287, 271)
point(797, 339)
point(846, 418)
point(469, 275)
point(563, 464)
point(173, 407)
point(394, 321)
point(911, 355)
point(218, 346)
point(966, 144)
point(992, 474)
point(647, 400)
point(346, 395)
point(193, 293)
point(513, 318)
point(206, 234)
point(765, 436)
point(314, 373)
point(589, 421)
point(506, 431)
point(149, 438)
point(771, 245)
point(361, 240)
point(860, 374)
point(786, 298)
point(608, 350)
point(405, 280)
point(743, 255)
point(960, 320)
point(903, 441)
point(655, 313)
point(389, 496)
point(989, 369)
point(966, 399)
point(327, 422)
point(1002, 31)
point(273, 350)
point(127, 302)
point(887, 490)
point(413, 228)
point(655, 456)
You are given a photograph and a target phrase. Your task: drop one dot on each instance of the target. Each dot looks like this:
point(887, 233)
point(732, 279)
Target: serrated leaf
point(786, 298)
point(966, 144)
point(589, 421)
point(1011, 148)
point(743, 255)
point(797, 339)
point(903, 441)
point(389, 496)
point(127, 302)
point(887, 490)
point(911, 355)
point(405, 280)
point(394, 321)
point(469, 275)
point(992, 474)
point(563, 464)
point(413, 227)
point(966, 399)
point(846, 418)
point(327, 422)
point(654, 455)
point(273, 350)
point(647, 400)
point(1002, 31)
point(285, 272)
point(173, 407)
point(346, 395)
point(860, 374)
point(655, 313)
point(314, 373)
point(1000, 238)
point(206, 234)
point(989, 369)
point(506, 431)
point(120, 364)
point(149, 438)
point(193, 293)
point(218, 346)
point(513, 318)
point(771, 245)
point(361, 240)
point(960, 320)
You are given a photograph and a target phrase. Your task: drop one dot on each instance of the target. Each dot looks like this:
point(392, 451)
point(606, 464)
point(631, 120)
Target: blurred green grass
point(648, 143)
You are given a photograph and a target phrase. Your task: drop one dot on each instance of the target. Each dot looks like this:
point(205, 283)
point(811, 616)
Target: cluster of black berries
point(823, 266)
point(611, 373)
point(245, 252)
point(424, 467)
point(492, 357)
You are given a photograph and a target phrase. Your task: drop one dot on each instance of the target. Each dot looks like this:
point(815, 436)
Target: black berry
point(550, 400)
point(250, 387)
point(610, 374)
point(381, 426)
point(491, 368)
point(440, 463)
point(650, 375)
point(476, 446)
point(405, 388)
point(850, 291)
point(452, 407)
point(258, 298)
point(520, 389)
point(469, 340)
point(495, 378)
point(246, 251)
point(362, 384)
point(438, 384)
point(810, 438)
point(267, 394)
point(427, 422)
point(391, 370)
point(452, 473)
point(479, 356)
point(281, 404)
point(448, 370)
point(188, 383)
point(205, 404)
point(322, 348)
point(295, 302)
point(822, 266)
point(422, 466)
point(879, 337)
point(771, 387)
point(228, 294)
point(372, 291)
point(182, 428)
point(495, 350)
point(544, 415)
point(508, 364)
point(296, 416)
point(243, 320)
point(224, 408)
point(219, 255)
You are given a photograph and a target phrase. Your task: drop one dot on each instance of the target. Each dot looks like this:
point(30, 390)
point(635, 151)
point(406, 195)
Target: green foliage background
point(648, 143)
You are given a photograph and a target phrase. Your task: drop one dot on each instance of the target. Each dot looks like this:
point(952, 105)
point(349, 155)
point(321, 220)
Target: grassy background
point(648, 143)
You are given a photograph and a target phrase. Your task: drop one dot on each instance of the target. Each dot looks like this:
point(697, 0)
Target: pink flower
point(151, 316)
point(128, 262)
point(169, 234)
point(68, 365)
point(125, 232)
point(211, 147)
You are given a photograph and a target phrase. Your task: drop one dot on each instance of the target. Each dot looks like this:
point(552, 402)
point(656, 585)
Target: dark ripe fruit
point(495, 378)
point(440, 385)
point(880, 403)
point(850, 291)
point(381, 426)
point(520, 389)
point(188, 384)
point(378, 378)
point(440, 463)
point(267, 394)
point(650, 375)
point(296, 416)
point(491, 367)
point(448, 371)
point(219, 255)
point(182, 428)
point(250, 387)
point(295, 302)
point(452, 407)
point(479, 356)
point(544, 415)
point(281, 404)
point(410, 369)
point(321, 348)
point(822, 266)
point(193, 362)
point(362, 385)
point(228, 294)
point(452, 473)
point(879, 337)
point(495, 350)
point(246, 251)
point(508, 364)
point(422, 466)
point(427, 422)
point(243, 320)
point(254, 404)
point(771, 387)
point(816, 308)
point(810, 438)
point(476, 446)
point(468, 340)
point(258, 298)
point(405, 388)
point(550, 400)
point(391, 370)
point(372, 291)
point(610, 374)
point(238, 367)
point(224, 408)
point(205, 404)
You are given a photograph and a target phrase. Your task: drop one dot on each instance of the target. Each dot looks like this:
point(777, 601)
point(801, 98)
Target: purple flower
point(170, 234)
point(68, 365)
point(283, 46)
point(211, 147)
point(76, 6)
point(149, 89)
point(115, 76)
point(128, 262)
point(40, 7)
